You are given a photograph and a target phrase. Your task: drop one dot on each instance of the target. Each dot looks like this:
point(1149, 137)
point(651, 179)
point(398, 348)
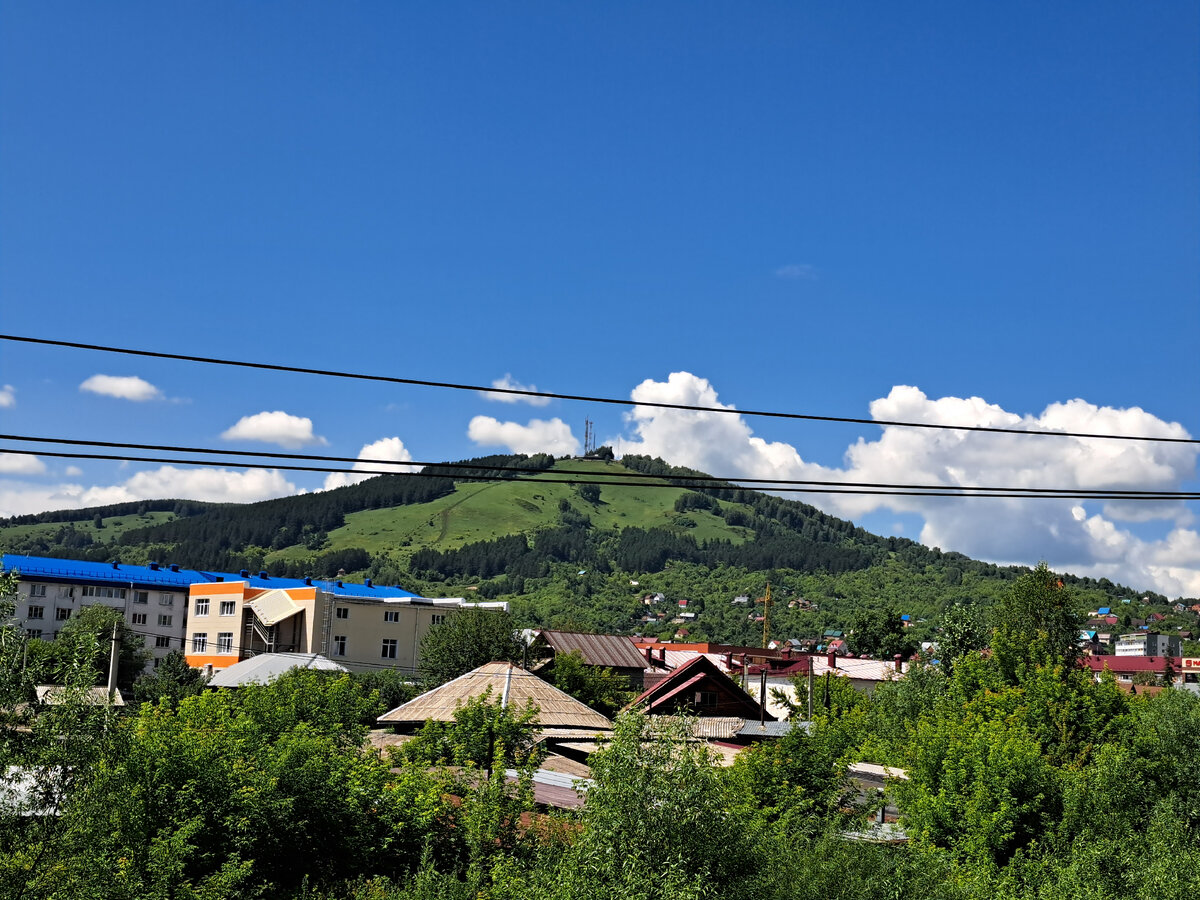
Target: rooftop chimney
point(831, 660)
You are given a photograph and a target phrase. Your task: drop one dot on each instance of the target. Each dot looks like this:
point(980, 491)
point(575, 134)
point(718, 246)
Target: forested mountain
point(567, 543)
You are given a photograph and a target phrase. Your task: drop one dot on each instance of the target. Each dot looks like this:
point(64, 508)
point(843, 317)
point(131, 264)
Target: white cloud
point(216, 485)
point(509, 383)
point(391, 449)
point(276, 427)
point(72, 471)
point(8, 396)
point(797, 272)
point(123, 387)
point(20, 464)
point(539, 436)
point(1021, 530)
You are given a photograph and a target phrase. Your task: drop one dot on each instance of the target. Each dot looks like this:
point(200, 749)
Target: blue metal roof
point(160, 576)
point(1103, 611)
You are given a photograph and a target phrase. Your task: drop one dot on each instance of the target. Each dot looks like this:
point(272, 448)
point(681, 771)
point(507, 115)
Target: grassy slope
point(478, 512)
point(114, 526)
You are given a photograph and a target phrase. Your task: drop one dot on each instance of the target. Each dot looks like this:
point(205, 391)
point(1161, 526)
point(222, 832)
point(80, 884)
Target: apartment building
point(362, 626)
point(218, 618)
point(152, 599)
point(1148, 643)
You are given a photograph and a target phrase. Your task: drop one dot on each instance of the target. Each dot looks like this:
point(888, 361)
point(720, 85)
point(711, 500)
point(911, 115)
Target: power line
point(777, 486)
point(456, 467)
point(521, 392)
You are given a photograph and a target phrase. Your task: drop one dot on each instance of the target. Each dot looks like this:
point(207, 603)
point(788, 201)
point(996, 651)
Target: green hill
point(566, 551)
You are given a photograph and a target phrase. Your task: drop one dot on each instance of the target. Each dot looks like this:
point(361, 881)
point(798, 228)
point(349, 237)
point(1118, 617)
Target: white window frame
point(389, 649)
point(200, 643)
point(341, 612)
point(227, 608)
point(339, 645)
point(36, 612)
point(225, 642)
point(202, 606)
point(391, 615)
point(141, 597)
point(37, 590)
point(164, 621)
point(139, 618)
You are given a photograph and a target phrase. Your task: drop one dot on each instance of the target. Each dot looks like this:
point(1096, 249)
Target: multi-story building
point(218, 618)
point(152, 599)
point(1148, 643)
point(361, 626)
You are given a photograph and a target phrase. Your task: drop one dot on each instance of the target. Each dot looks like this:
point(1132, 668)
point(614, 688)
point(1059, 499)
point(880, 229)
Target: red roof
point(1126, 665)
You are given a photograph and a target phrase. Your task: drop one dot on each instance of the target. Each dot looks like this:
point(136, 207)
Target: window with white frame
point(391, 615)
point(389, 648)
point(65, 591)
point(199, 643)
point(61, 615)
point(33, 632)
point(339, 645)
point(141, 597)
point(227, 607)
point(36, 612)
point(166, 599)
point(225, 642)
point(438, 619)
point(100, 590)
point(164, 621)
point(139, 618)
point(162, 641)
point(202, 606)
point(341, 612)
point(37, 590)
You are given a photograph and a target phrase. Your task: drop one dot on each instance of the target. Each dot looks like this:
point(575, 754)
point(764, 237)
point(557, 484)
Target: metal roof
point(556, 709)
point(597, 649)
point(178, 578)
point(266, 667)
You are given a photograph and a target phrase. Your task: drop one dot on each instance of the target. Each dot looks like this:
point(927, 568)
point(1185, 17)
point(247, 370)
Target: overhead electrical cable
point(688, 480)
point(778, 486)
point(521, 392)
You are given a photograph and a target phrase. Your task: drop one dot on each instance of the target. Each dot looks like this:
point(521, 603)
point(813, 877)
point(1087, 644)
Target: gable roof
point(597, 649)
point(508, 682)
point(696, 675)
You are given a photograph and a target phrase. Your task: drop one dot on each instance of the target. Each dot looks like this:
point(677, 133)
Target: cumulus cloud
point(374, 456)
point(539, 436)
point(511, 384)
point(72, 471)
point(20, 464)
point(276, 427)
point(215, 485)
point(123, 387)
point(8, 396)
point(1024, 530)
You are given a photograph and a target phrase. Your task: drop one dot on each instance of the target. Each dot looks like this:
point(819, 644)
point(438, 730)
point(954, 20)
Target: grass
point(482, 511)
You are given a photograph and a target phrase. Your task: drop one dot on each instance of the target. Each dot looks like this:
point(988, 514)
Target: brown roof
point(597, 649)
point(556, 709)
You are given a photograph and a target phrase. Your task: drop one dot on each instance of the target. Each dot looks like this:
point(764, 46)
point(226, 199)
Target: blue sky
point(830, 209)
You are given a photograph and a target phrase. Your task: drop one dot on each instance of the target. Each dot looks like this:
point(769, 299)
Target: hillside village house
point(219, 618)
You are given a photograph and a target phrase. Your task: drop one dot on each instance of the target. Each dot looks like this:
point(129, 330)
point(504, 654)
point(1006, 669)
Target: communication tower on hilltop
point(589, 438)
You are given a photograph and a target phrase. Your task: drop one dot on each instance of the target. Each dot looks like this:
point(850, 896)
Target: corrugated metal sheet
point(597, 649)
point(274, 606)
point(556, 709)
point(266, 667)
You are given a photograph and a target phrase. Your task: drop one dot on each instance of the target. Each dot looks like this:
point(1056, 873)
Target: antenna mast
point(589, 438)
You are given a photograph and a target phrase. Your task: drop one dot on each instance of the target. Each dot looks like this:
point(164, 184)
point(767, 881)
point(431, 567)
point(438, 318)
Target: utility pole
point(766, 602)
point(112, 666)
